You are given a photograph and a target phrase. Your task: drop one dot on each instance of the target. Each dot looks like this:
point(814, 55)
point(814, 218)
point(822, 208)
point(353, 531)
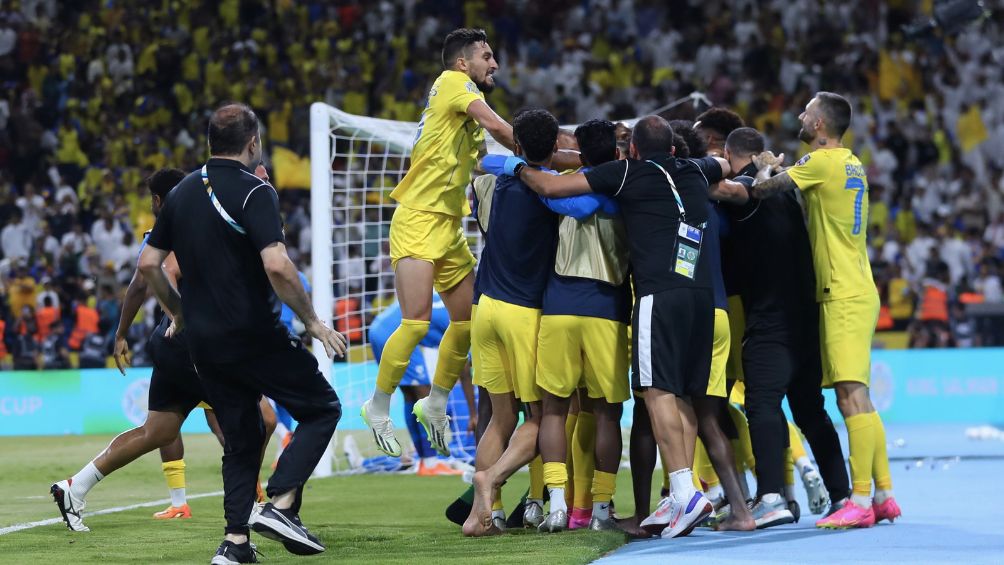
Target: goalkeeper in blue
point(415, 384)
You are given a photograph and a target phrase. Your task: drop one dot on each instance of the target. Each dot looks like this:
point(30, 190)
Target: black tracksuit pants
point(291, 378)
point(775, 365)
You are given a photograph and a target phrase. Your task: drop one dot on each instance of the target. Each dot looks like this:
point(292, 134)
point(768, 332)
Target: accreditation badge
point(688, 250)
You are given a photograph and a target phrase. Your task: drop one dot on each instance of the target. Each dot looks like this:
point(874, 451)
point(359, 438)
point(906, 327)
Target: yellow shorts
point(433, 237)
point(738, 395)
point(504, 348)
point(719, 354)
point(737, 329)
point(571, 349)
point(846, 328)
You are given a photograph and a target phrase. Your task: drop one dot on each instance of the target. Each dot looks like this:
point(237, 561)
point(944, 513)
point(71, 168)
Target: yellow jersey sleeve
point(837, 206)
point(445, 151)
point(809, 172)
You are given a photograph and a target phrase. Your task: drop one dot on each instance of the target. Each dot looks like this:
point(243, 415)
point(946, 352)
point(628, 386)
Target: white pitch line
point(50, 521)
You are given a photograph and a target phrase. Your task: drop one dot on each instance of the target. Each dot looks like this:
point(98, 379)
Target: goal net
point(356, 162)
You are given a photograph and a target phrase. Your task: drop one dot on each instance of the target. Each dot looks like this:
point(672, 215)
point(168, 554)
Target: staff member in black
point(223, 225)
point(664, 204)
point(781, 344)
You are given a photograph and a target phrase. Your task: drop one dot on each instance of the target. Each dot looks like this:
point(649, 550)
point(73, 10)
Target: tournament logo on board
point(134, 401)
point(882, 388)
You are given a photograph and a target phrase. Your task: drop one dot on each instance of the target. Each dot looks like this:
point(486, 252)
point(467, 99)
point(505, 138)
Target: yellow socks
point(555, 476)
point(174, 472)
point(453, 349)
point(584, 461)
point(397, 353)
point(703, 470)
point(861, 436)
point(536, 479)
point(795, 439)
point(880, 462)
point(604, 485)
point(742, 447)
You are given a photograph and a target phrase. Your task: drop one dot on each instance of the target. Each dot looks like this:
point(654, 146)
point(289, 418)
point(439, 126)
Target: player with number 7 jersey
point(834, 185)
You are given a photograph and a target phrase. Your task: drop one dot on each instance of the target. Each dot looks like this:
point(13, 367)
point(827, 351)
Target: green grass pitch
point(362, 519)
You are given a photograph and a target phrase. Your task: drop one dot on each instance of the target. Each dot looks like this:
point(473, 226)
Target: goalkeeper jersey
point(836, 195)
point(445, 150)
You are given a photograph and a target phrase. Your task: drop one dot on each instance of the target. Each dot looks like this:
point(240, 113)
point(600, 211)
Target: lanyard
point(672, 186)
point(219, 207)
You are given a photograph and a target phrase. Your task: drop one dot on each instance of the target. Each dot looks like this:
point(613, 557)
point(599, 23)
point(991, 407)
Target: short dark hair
point(230, 128)
point(536, 131)
point(652, 135)
point(720, 120)
point(162, 181)
point(457, 42)
point(744, 142)
point(836, 112)
point(597, 142)
point(680, 149)
point(696, 147)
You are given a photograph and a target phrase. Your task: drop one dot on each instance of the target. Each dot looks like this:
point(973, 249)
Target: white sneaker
point(676, 519)
point(437, 426)
point(383, 432)
point(351, 450)
point(69, 506)
point(819, 498)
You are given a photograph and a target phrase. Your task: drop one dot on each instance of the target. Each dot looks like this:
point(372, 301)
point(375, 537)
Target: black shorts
point(174, 384)
point(672, 335)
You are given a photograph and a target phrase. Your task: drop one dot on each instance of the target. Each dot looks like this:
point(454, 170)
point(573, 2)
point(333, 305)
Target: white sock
point(681, 485)
point(715, 492)
point(178, 497)
point(789, 492)
point(538, 501)
point(557, 499)
point(84, 480)
point(804, 465)
point(430, 461)
point(771, 498)
point(601, 510)
point(500, 513)
point(436, 401)
point(380, 404)
point(882, 495)
point(861, 500)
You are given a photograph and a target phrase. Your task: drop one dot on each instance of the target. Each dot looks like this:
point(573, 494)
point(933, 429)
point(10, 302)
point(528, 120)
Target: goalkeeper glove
point(500, 164)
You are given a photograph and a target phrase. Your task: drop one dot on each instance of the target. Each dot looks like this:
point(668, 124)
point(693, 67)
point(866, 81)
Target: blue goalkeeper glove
point(500, 164)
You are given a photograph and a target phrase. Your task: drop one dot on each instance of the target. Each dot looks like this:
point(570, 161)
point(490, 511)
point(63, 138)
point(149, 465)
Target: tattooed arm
point(765, 186)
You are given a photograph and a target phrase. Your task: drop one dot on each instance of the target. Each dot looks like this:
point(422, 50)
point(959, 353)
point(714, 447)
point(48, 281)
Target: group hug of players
point(738, 270)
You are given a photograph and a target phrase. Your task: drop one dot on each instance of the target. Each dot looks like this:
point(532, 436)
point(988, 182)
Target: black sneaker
point(231, 553)
point(795, 509)
point(834, 506)
point(276, 525)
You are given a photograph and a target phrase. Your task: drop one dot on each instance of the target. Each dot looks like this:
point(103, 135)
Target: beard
point(485, 86)
point(805, 135)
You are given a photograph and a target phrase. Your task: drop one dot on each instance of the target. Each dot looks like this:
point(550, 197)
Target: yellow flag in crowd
point(290, 170)
point(970, 129)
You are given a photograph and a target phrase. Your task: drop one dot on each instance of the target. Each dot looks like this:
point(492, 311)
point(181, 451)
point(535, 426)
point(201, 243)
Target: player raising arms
point(427, 245)
point(835, 188)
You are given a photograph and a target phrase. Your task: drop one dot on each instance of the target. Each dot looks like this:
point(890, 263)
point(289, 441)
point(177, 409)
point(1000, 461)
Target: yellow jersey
point(836, 195)
point(445, 151)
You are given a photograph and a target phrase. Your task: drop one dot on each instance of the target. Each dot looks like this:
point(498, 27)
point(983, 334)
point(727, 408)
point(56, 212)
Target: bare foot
point(736, 524)
point(479, 522)
point(631, 528)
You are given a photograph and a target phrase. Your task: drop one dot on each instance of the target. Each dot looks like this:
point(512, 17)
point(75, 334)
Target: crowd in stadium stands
point(98, 94)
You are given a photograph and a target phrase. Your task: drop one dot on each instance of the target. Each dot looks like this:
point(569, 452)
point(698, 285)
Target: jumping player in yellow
point(427, 244)
point(834, 185)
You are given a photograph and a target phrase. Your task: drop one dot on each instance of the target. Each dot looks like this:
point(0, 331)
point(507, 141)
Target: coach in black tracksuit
point(781, 343)
point(223, 224)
